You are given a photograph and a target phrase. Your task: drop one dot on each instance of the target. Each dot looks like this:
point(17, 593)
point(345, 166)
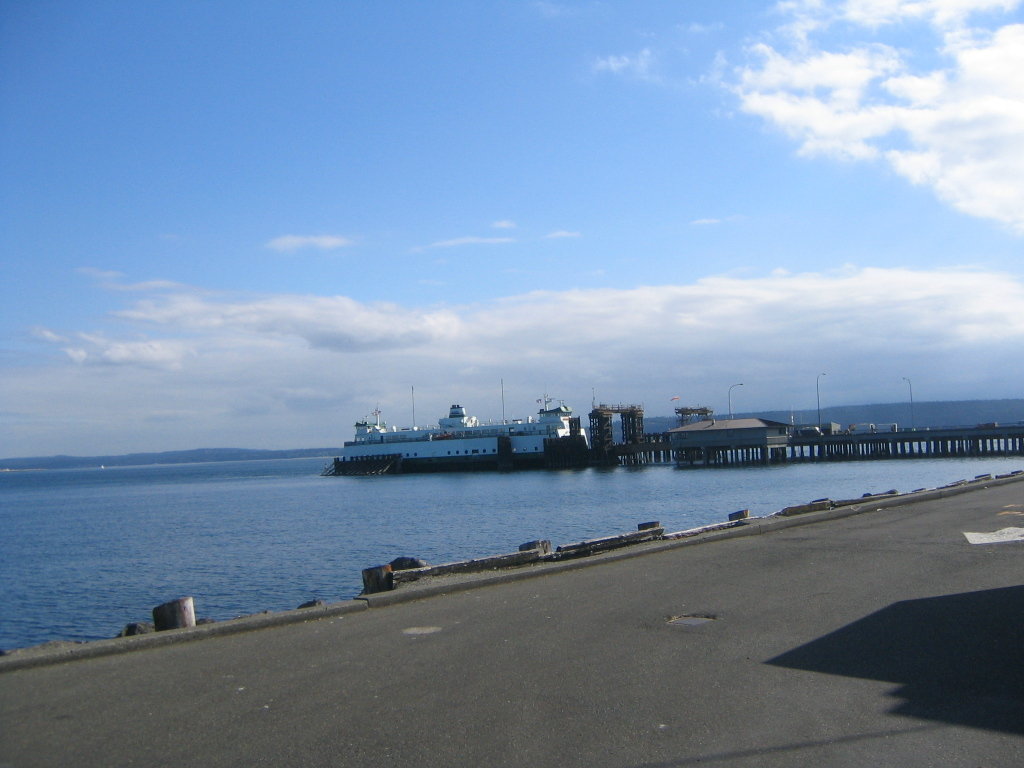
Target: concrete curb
point(38, 656)
point(716, 532)
point(42, 655)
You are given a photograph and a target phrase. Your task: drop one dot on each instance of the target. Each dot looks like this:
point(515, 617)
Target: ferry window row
point(536, 449)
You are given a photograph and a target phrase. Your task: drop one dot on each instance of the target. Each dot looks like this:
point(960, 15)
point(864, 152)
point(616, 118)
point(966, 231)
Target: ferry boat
point(552, 439)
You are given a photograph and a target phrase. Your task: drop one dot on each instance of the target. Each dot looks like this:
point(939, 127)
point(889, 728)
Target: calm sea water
point(83, 552)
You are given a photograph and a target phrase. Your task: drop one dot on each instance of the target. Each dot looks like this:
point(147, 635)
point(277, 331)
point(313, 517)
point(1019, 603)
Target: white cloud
point(838, 79)
point(944, 13)
point(145, 287)
point(806, 17)
point(330, 322)
point(504, 224)
point(92, 348)
point(114, 281)
point(77, 354)
point(943, 307)
point(639, 65)
point(45, 334)
point(560, 233)
point(290, 243)
point(196, 368)
point(956, 126)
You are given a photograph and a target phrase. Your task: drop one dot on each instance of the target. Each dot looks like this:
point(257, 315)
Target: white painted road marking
point(996, 537)
point(424, 630)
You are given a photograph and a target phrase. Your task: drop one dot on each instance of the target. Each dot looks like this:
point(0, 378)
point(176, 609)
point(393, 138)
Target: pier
point(603, 448)
point(703, 441)
point(983, 440)
point(652, 449)
point(731, 443)
point(722, 443)
point(635, 448)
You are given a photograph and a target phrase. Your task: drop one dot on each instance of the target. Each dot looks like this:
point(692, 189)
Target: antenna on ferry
point(376, 414)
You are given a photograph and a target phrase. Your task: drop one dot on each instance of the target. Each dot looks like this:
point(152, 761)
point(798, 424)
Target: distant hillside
point(195, 456)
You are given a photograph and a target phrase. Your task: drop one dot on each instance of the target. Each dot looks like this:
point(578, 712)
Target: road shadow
point(959, 658)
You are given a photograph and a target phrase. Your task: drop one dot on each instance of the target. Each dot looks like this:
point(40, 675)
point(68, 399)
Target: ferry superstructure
point(460, 442)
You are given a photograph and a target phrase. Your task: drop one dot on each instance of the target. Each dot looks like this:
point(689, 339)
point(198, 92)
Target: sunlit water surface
point(83, 552)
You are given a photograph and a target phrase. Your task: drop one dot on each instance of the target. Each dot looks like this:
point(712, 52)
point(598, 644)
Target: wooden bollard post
point(378, 579)
point(743, 514)
point(175, 614)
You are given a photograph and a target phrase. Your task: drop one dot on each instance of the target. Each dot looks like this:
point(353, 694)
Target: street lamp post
point(910, 386)
point(730, 397)
point(817, 390)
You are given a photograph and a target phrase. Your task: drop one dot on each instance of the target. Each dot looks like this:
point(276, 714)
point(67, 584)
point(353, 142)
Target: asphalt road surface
point(881, 639)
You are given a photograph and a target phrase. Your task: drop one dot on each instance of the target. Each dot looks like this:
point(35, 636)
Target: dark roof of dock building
point(720, 424)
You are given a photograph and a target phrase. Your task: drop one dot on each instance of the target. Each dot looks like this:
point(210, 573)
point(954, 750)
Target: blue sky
point(248, 224)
